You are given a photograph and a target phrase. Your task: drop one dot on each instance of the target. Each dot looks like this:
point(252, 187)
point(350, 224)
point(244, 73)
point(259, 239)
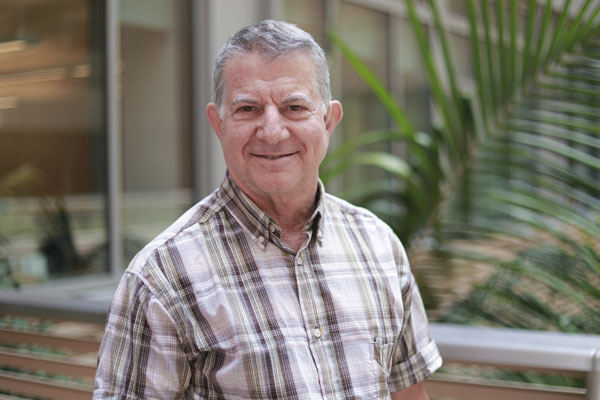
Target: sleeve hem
point(416, 369)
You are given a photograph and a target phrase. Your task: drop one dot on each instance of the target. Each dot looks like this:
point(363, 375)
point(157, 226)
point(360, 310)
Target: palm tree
point(506, 187)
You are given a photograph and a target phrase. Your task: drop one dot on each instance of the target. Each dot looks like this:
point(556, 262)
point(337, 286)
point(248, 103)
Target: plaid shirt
point(216, 307)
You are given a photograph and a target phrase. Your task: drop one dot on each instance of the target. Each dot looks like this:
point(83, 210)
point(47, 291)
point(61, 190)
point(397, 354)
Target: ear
point(214, 118)
point(334, 116)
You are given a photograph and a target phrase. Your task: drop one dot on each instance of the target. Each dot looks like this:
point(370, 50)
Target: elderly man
point(269, 288)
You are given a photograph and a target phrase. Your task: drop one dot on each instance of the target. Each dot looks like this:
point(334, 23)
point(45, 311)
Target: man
point(269, 288)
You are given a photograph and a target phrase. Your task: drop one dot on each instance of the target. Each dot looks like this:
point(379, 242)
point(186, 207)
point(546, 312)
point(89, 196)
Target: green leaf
point(378, 89)
point(519, 165)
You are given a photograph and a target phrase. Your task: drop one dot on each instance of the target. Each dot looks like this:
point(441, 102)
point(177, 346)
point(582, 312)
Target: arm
point(414, 392)
point(417, 355)
point(140, 355)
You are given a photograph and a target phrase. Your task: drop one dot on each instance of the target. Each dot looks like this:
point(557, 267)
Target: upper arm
point(140, 355)
point(417, 356)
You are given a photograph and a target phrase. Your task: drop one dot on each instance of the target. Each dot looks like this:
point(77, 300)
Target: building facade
point(103, 135)
point(103, 139)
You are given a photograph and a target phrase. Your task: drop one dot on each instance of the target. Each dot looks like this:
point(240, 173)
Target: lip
point(273, 156)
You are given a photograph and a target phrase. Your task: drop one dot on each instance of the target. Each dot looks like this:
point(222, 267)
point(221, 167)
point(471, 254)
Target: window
point(52, 140)
point(155, 110)
point(365, 31)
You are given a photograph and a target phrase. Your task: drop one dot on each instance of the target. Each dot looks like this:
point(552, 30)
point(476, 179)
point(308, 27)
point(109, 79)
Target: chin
point(277, 187)
point(274, 182)
point(278, 183)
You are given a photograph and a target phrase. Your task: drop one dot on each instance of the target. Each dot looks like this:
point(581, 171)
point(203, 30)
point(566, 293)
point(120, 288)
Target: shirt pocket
point(384, 354)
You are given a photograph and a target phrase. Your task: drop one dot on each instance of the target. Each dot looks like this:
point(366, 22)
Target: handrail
point(75, 345)
point(38, 386)
point(564, 353)
point(58, 365)
point(593, 378)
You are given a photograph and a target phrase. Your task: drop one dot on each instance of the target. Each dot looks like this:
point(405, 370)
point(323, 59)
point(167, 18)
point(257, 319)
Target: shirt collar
point(261, 227)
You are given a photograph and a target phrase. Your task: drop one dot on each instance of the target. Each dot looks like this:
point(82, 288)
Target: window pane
point(309, 15)
point(408, 77)
point(365, 31)
point(156, 128)
point(52, 140)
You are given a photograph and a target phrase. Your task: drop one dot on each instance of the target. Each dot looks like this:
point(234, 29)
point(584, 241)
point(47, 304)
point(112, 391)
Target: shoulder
point(165, 277)
point(167, 246)
point(358, 223)
point(337, 208)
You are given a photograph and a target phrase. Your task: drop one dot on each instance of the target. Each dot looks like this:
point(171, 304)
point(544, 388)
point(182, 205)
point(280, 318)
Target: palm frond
point(520, 164)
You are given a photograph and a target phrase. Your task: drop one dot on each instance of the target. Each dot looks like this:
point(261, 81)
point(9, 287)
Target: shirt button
point(317, 333)
point(261, 239)
point(272, 228)
point(299, 261)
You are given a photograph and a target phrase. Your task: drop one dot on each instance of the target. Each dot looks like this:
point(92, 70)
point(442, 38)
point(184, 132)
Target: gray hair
point(271, 39)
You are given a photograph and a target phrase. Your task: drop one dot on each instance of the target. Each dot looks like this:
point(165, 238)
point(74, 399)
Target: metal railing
point(56, 362)
point(574, 355)
point(516, 350)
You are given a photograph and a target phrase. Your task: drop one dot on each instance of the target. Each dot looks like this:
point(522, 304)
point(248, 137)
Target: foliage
point(505, 185)
point(546, 289)
point(19, 178)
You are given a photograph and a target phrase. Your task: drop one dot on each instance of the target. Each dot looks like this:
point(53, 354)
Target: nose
point(271, 127)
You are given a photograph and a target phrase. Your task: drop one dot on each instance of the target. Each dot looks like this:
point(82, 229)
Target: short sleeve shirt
point(217, 307)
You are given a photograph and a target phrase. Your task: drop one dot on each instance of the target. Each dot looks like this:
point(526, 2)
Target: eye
point(297, 111)
point(244, 112)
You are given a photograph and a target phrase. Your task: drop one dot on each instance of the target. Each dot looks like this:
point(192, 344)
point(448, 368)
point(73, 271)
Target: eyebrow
point(299, 97)
point(238, 100)
point(292, 99)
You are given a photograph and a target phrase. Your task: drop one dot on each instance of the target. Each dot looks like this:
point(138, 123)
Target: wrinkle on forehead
point(239, 67)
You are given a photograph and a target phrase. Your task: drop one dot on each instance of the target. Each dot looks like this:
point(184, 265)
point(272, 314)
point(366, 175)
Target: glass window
point(156, 131)
point(365, 31)
point(309, 15)
point(458, 7)
point(461, 53)
point(52, 140)
point(408, 79)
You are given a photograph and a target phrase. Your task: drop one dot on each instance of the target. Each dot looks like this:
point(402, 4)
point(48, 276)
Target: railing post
point(593, 378)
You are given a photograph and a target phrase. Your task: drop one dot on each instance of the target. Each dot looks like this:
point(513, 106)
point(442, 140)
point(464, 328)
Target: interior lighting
point(13, 45)
point(8, 102)
point(42, 75)
point(81, 71)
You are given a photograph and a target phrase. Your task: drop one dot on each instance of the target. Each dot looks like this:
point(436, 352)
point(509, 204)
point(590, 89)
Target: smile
point(274, 157)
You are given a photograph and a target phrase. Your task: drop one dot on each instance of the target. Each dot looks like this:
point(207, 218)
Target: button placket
point(308, 292)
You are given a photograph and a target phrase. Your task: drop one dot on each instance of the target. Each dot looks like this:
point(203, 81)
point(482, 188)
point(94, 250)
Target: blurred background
point(471, 127)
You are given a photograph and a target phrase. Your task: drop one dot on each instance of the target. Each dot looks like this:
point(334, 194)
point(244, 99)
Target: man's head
point(272, 112)
point(272, 39)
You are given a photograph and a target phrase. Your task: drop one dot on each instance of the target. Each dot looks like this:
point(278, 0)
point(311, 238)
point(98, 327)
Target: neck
point(290, 213)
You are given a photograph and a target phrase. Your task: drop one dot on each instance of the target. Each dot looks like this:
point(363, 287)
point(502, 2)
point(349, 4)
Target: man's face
point(273, 127)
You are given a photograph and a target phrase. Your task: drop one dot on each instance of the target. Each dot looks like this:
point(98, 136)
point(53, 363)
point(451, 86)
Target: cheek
point(323, 151)
point(232, 152)
point(316, 136)
point(234, 139)
point(323, 143)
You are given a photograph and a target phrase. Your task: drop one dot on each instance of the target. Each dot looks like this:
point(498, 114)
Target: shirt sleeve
point(416, 355)
point(140, 355)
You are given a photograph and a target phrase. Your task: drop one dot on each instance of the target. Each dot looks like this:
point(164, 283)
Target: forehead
point(253, 73)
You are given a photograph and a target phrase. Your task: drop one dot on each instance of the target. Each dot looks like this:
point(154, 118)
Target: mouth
point(274, 156)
